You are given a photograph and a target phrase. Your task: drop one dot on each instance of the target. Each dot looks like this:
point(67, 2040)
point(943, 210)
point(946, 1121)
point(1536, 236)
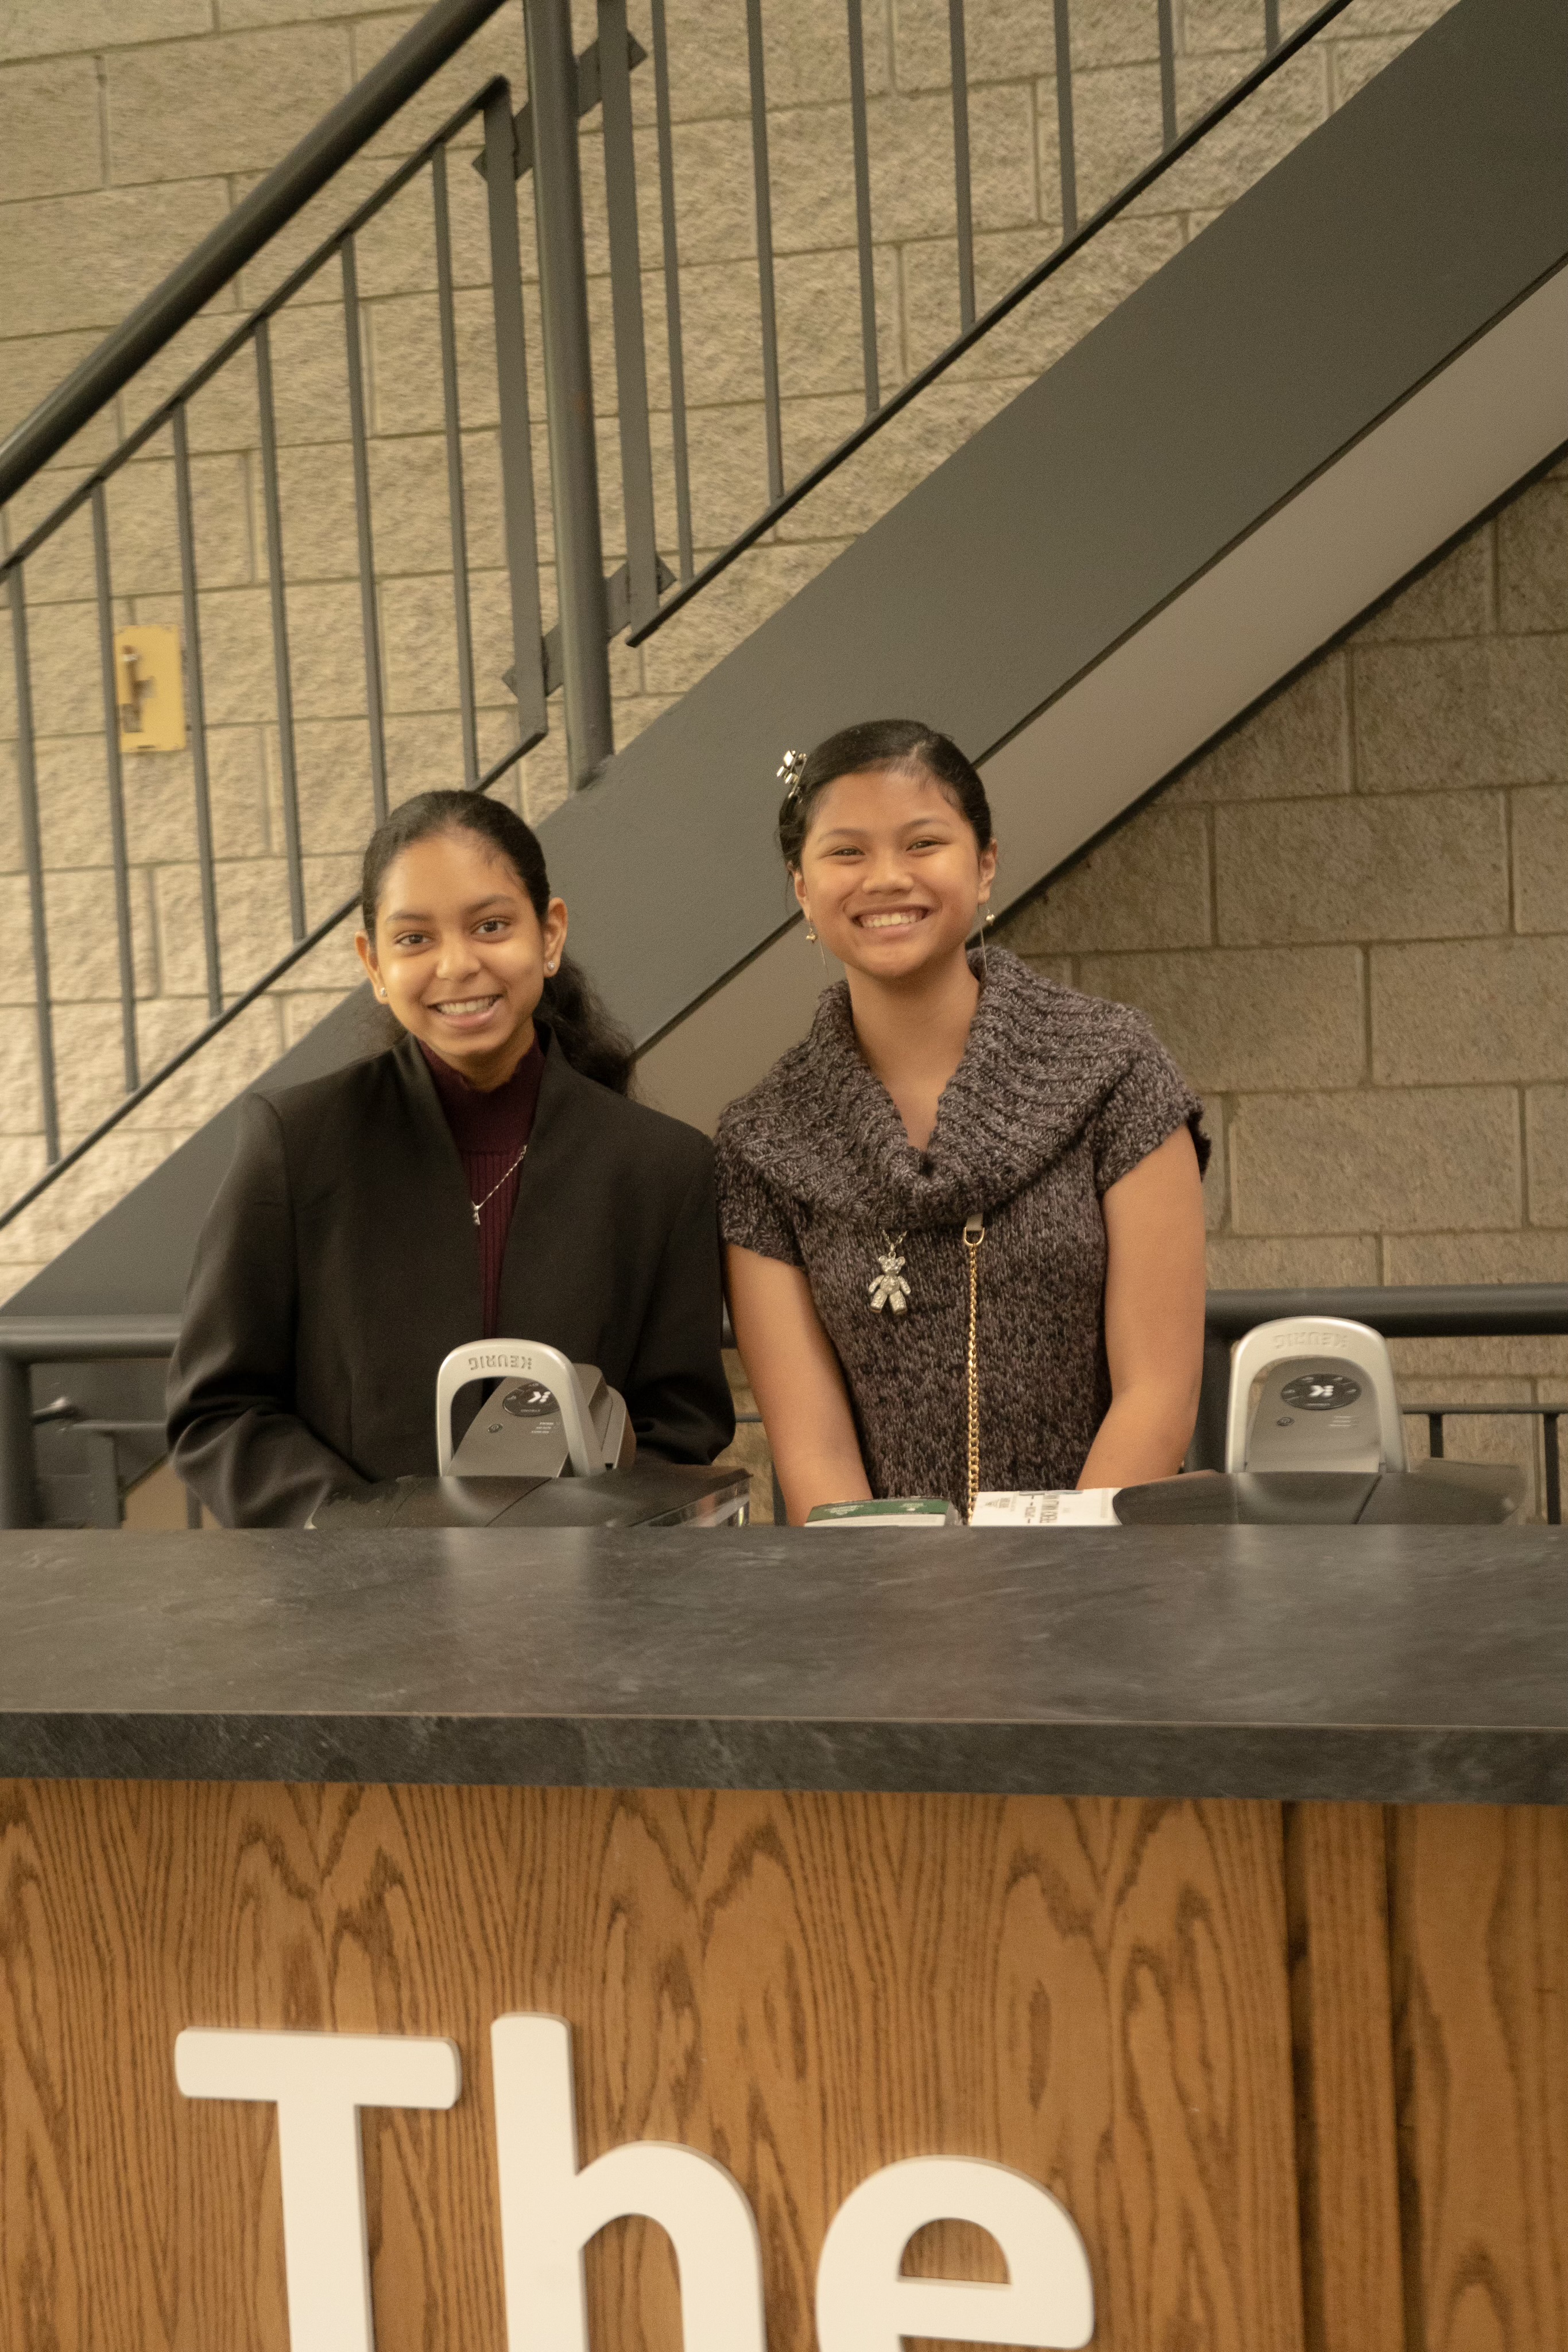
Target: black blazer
point(340, 1263)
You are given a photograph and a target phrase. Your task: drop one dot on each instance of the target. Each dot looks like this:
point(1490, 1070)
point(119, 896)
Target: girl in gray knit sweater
point(963, 1217)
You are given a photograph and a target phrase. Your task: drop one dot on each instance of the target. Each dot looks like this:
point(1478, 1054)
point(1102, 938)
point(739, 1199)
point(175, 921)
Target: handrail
point(154, 422)
point(86, 1338)
point(289, 185)
point(1416, 1311)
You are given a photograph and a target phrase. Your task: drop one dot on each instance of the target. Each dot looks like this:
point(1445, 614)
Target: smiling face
point(459, 954)
point(891, 875)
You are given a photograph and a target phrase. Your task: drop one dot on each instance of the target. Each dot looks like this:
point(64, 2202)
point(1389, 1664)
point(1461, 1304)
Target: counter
point(1400, 1664)
point(1213, 1880)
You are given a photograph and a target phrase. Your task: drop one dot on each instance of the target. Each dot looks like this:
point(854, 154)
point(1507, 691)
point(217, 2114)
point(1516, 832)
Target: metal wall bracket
point(588, 86)
point(618, 606)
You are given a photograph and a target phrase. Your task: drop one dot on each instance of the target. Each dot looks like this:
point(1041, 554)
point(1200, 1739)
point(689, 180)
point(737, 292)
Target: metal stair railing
point(645, 592)
point(492, 105)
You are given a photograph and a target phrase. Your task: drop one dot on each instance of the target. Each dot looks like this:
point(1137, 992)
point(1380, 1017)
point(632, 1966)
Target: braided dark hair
point(902, 744)
point(570, 1009)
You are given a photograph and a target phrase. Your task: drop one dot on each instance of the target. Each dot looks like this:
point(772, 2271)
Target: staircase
point(1363, 351)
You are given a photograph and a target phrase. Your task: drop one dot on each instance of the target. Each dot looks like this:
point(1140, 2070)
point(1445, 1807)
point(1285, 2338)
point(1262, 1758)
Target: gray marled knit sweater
point(1058, 1096)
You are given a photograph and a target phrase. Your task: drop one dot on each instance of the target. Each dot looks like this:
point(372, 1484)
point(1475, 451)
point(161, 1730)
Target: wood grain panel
point(1480, 1946)
point(807, 1987)
point(1336, 1877)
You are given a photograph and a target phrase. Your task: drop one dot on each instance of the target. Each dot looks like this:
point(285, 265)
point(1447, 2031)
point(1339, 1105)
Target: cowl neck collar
point(1038, 1064)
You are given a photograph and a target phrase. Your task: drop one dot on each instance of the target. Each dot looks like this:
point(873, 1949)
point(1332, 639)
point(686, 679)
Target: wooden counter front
point(1280, 2117)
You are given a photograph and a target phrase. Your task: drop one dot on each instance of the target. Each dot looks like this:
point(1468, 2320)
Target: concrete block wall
point(1349, 922)
point(125, 133)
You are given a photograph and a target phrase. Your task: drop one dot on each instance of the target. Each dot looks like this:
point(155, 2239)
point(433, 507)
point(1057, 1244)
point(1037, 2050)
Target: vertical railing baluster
point(106, 654)
point(626, 309)
point(32, 858)
point(1066, 138)
point(1548, 1438)
point(673, 293)
point(196, 695)
point(451, 418)
point(569, 390)
point(283, 684)
point(961, 181)
point(763, 186)
point(369, 624)
point(1167, 74)
point(860, 134)
point(1435, 1435)
point(520, 524)
point(1270, 26)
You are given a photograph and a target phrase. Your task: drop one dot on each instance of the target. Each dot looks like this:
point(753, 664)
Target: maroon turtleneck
point(490, 1130)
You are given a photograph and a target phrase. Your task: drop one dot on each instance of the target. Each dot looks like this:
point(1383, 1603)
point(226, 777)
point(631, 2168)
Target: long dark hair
point(905, 743)
point(569, 1008)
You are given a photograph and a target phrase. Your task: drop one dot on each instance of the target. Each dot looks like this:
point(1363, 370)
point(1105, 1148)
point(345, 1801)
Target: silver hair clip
point(791, 769)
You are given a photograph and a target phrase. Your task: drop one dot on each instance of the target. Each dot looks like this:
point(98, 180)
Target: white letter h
point(549, 2209)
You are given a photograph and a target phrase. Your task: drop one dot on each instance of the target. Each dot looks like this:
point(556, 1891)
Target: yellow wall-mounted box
point(150, 688)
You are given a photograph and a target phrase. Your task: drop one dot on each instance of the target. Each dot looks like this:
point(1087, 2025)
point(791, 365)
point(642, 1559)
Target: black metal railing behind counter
point(1436, 1416)
point(1462, 1310)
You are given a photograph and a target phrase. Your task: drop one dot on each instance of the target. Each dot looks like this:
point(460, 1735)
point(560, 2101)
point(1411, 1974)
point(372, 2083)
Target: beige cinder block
point(1532, 560)
point(1387, 1158)
point(1546, 1145)
point(85, 260)
point(1145, 886)
point(1295, 745)
point(1540, 858)
point(50, 142)
point(232, 103)
point(1433, 865)
point(1484, 711)
point(45, 28)
point(1470, 1009)
point(1241, 1019)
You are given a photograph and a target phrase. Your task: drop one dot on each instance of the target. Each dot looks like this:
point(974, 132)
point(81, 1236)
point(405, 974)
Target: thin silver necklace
point(477, 1205)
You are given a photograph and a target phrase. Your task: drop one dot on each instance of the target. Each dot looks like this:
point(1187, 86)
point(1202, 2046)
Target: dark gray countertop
point(1396, 1663)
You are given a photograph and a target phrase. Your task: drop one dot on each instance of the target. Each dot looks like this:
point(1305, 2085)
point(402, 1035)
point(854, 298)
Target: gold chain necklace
point(477, 1205)
point(974, 1237)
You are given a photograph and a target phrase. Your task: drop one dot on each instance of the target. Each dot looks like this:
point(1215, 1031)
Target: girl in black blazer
point(484, 1176)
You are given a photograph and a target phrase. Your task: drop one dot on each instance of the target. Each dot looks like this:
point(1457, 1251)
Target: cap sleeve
point(1147, 1104)
point(752, 1213)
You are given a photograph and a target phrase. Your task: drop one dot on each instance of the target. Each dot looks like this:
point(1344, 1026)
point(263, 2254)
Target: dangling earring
point(812, 936)
point(987, 921)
